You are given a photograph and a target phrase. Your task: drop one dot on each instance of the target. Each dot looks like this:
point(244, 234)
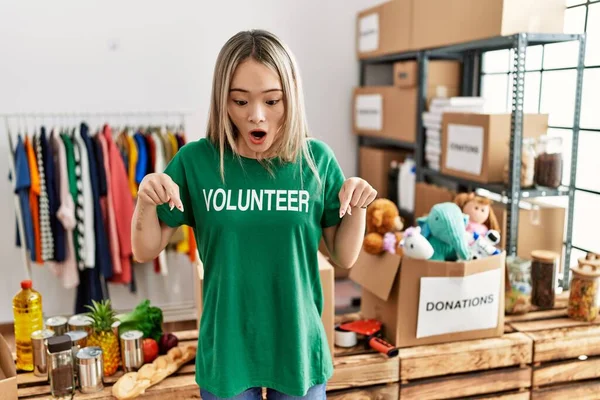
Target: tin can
point(79, 341)
point(57, 324)
point(131, 350)
point(39, 342)
point(115, 327)
point(80, 322)
point(90, 369)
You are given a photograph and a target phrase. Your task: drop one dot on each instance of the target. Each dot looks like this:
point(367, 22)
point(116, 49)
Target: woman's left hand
point(355, 192)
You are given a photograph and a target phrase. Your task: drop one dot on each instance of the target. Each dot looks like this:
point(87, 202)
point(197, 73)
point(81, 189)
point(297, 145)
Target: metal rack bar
point(516, 142)
point(574, 151)
point(423, 68)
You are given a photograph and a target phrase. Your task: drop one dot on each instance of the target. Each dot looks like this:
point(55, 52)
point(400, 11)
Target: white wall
point(71, 56)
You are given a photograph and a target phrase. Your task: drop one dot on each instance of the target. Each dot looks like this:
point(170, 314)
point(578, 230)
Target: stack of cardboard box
point(404, 25)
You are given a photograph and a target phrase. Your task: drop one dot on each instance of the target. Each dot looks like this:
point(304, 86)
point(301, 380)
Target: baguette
point(133, 384)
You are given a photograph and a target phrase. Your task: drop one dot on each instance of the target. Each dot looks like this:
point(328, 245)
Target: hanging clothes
point(133, 159)
point(67, 269)
point(78, 232)
point(142, 162)
point(85, 199)
point(102, 258)
point(22, 187)
point(46, 239)
point(111, 223)
point(34, 194)
point(121, 196)
point(52, 186)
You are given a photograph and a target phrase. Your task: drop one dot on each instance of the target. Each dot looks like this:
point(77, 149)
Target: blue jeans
point(317, 392)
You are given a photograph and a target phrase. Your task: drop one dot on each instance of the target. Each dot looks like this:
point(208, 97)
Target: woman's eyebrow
point(247, 91)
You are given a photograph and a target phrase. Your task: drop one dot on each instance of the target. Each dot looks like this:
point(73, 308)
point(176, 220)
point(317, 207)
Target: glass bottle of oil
point(27, 311)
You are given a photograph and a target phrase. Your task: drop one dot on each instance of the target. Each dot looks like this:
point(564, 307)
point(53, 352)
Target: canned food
point(39, 342)
point(80, 322)
point(90, 367)
point(131, 350)
point(57, 324)
point(79, 341)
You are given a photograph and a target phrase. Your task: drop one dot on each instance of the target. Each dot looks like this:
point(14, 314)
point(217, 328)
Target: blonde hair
point(291, 142)
point(463, 198)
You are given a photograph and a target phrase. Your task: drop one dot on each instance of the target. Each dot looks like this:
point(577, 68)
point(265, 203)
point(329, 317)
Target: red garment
point(123, 202)
point(108, 208)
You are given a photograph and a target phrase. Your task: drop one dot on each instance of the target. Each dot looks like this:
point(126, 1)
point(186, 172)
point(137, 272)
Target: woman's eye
point(240, 102)
point(272, 102)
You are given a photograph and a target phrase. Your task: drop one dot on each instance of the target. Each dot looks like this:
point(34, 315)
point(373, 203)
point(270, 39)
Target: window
point(550, 88)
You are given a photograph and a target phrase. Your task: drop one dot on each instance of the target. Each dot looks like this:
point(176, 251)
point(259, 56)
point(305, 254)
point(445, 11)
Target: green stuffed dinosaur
point(444, 227)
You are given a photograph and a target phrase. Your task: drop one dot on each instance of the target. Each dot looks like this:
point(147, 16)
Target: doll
point(480, 212)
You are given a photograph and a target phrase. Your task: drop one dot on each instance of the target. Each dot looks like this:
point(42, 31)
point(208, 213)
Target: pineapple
point(103, 316)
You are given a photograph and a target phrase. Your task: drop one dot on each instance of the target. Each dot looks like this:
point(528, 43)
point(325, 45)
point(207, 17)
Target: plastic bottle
point(406, 187)
point(27, 311)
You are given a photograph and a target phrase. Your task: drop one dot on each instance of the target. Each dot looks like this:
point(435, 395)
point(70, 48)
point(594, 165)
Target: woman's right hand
point(158, 188)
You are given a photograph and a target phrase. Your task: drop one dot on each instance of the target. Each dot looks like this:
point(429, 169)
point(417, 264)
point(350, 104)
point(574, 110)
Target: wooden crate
point(566, 353)
point(483, 368)
point(358, 373)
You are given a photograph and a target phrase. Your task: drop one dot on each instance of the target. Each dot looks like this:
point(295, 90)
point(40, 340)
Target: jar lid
point(132, 335)
point(76, 335)
point(56, 344)
point(56, 321)
point(589, 268)
point(89, 353)
point(42, 334)
point(544, 255)
point(80, 320)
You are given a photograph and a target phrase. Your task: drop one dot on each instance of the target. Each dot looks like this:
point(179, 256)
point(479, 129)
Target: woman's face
point(256, 106)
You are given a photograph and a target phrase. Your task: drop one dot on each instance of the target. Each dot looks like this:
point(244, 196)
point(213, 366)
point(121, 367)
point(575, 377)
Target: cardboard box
point(385, 111)
point(540, 228)
point(8, 372)
point(374, 166)
point(438, 23)
point(428, 195)
point(384, 29)
point(415, 310)
point(475, 146)
point(327, 284)
point(443, 77)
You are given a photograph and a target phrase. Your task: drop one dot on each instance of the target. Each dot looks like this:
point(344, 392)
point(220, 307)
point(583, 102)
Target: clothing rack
point(64, 118)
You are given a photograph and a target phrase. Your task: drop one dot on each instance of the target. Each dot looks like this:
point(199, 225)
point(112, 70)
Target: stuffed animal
point(444, 228)
point(415, 245)
point(481, 215)
point(383, 228)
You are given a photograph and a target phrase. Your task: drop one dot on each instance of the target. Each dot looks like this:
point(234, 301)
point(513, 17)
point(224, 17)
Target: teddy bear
point(480, 212)
point(384, 227)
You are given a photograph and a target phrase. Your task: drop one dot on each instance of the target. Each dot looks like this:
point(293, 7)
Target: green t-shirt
point(258, 236)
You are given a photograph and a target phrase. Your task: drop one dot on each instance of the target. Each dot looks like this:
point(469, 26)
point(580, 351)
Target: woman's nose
point(257, 114)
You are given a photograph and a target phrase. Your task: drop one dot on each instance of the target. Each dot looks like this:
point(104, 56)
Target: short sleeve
point(334, 179)
point(174, 218)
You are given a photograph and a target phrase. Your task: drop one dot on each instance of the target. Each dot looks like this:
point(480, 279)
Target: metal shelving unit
point(470, 54)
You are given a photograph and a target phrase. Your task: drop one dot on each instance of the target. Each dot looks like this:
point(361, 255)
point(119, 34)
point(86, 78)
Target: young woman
point(259, 194)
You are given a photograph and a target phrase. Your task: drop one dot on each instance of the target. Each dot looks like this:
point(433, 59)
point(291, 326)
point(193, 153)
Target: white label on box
point(369, 111)
point(368, 33)
point(464, 148)
point(448, 305)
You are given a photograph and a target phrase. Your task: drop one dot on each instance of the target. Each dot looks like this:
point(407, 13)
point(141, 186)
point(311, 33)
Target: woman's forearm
point(349, 237)
point(146, 232)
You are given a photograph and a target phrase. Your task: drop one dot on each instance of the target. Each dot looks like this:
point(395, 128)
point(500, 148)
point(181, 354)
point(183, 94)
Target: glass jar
point(528, 155)
point(544, 265)
point(549, 162)
point(60, 366)
point(584, 296)
point(518, 295)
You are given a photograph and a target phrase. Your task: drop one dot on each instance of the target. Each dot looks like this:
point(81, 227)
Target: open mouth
point(258, 136)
